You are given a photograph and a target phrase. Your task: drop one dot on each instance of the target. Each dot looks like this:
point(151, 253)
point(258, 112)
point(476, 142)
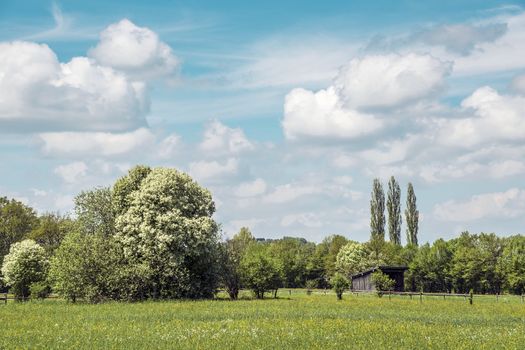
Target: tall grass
point(295, 321)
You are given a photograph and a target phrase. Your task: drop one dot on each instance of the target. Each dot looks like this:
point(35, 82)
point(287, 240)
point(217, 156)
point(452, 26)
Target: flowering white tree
point(25, 264)
point(167, 227)
point(352, 258)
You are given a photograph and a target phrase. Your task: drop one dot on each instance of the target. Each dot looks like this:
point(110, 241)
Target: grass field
point(295, 321)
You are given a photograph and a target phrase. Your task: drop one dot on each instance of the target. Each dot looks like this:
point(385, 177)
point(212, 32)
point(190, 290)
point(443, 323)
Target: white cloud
point(251, 189)
point(37, 92)
point(205, 170)
point(290, 192)
point(461, 38)
point(321, 114)
point(496, 118)
point(518, 84)
point(71, 172)
point(220, 139)
point(303, 219)
point(135, 50)
point(390, 80)
point(508, 204)
point(95, 143)
point(169, 146)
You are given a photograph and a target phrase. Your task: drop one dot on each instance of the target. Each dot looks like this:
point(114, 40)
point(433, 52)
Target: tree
point(339, 283)
point(322, 264)
point(88, 267)
point(126, 185)
point(412, 216)
point(293, 254)
point(474, 263)
point(512, 264)
point(51, 230)
point(351, 259)
point(168, 229)
point(16, 221)
point(94, 210)
point(430, 268)
point(233, 251)
point(25, 264)
point(261, 272)
point(394, 211)
point(377, 211)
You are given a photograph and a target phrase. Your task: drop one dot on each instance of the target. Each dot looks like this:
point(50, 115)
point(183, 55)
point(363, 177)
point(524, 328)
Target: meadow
point(295, 321)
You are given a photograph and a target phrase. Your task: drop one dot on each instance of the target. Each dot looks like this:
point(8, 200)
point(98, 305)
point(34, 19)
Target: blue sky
point(286, 111)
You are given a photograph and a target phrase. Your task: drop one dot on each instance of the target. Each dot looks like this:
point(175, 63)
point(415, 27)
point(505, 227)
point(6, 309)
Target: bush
point(311, 284)
point(260, 271)
point(87, 267)
point(339, 283)
point(382, 282)
point(40, 290)
point(25, 264)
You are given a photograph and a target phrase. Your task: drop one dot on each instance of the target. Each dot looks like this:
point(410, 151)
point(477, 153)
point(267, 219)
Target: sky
point(285, 110)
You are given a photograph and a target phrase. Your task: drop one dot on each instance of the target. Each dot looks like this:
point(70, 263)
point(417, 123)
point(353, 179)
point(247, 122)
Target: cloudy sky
point(286, 112)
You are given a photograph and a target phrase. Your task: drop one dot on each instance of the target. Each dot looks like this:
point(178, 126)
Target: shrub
point(260, 271)
point(382, 282)
point(39, 290)
point(25, 264)
point(311, 284)
point(339, 283)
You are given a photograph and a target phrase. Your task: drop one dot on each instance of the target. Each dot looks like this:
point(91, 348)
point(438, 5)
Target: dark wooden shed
point(363, 280)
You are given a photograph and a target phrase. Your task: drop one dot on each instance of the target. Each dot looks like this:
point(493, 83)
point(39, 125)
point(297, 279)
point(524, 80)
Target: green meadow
point(292, 321)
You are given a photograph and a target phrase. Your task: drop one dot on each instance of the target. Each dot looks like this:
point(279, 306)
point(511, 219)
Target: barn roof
point(383, 268)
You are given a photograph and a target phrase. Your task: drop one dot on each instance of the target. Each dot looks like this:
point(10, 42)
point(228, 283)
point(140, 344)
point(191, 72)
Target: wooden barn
point(363, 280)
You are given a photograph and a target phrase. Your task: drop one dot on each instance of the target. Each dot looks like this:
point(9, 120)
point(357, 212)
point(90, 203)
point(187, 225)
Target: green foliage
point(25, 264)
point(86, 267)
point(393, 205)
point(231, 255)
point(512, 264)
point(339, 284)
point(169, 233)
point(293, 254)
point(311, 284)
point(51, 230)
point(323, 263)
point(39, 290)
point(16, 221)
point(377, 212)
point(382, 282)
point(474, 263)
point(94, 210)
point(430, 268)
point(352, 258)
point(261, 272)
point(412, 216)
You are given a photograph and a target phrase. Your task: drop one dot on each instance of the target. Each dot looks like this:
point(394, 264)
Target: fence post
point(420, 297)
point(289, 292)
point(497, 297)
point(522, 298)
point(5, 300)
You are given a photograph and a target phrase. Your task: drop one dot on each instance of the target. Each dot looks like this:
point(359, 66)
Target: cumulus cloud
point(375, 82)
point(138, 51)
point(251, 189)
point(289, 192)
point(496, 118)
point(220, 139)
point(37, 92)
point(203, 170)
point(302, 219)
point(508, 204)
point(321, 114)
point(169, 146)
point(390, 80)
point(94, 143)
point(71, 172)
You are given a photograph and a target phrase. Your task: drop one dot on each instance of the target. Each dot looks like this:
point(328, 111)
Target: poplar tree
point(412, 216)
point(377, 212)
point(393, 205)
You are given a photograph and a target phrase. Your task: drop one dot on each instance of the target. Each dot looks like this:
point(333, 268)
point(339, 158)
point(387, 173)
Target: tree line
point(152, 236)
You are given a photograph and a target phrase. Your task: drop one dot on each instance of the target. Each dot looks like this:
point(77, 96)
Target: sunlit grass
point(293, 321)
